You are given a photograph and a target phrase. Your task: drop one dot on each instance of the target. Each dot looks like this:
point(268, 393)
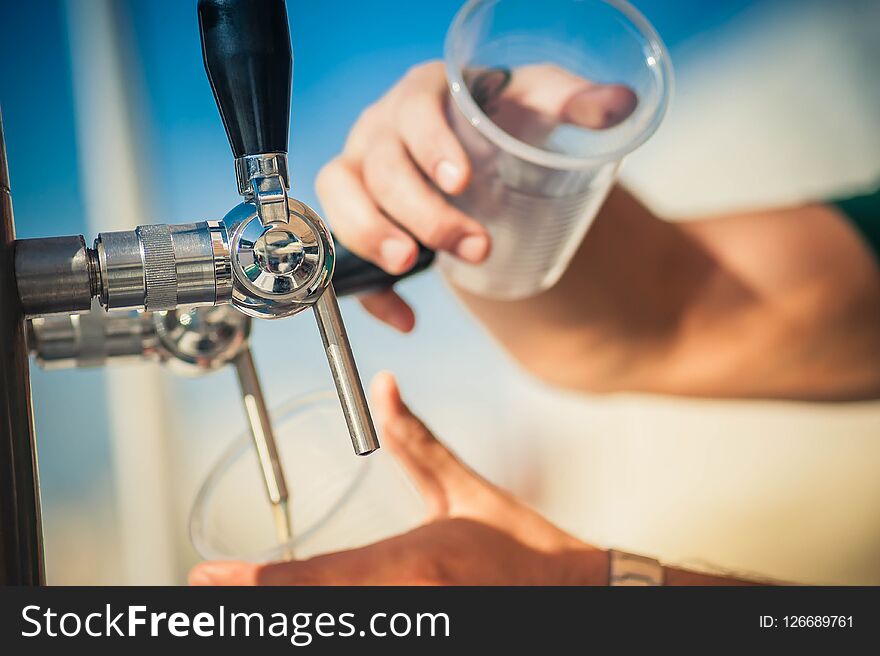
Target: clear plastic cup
point(538, 178)
point(337, 500)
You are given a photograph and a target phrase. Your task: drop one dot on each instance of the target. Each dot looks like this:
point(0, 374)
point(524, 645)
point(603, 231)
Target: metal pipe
point(153, 267)
point(162, 266)
point(91, 339)
point(345, 374)
point(54, 275)
point(261, 426)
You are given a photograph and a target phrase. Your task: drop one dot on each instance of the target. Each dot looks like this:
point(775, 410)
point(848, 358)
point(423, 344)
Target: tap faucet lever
point(260, 425)
point(247, 54)
point(281, 252)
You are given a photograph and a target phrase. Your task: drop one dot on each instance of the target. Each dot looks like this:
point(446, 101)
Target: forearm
point(781, 303)
point(618, 310)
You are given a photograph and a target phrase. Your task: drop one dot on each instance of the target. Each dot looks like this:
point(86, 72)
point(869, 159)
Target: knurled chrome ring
point(160, 267)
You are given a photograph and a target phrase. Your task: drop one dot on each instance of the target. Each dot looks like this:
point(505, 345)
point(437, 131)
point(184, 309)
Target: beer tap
point(270, 257)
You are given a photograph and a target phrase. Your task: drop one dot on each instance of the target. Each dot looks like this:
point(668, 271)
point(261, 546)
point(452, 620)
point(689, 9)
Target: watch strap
point(631, 569)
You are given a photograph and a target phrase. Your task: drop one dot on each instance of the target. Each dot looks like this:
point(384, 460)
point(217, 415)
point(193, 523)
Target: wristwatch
point(631, 569)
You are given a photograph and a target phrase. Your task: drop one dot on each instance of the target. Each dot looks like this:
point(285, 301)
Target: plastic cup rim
point(235, 450)
point(539, 156)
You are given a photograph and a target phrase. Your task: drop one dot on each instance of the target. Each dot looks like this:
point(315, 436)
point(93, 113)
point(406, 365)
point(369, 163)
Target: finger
point(358, 222)
point(388, 306)
point(402, 192)
point(556, 92)
point(439, 476)
point(400, 560)
point(432, 143)
point(339, 569)
point(223, 573)
point(234, 573)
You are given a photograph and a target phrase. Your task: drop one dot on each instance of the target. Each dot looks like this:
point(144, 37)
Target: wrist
point(587, 566)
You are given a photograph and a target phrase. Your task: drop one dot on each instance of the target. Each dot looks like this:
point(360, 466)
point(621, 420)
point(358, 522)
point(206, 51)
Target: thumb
point(438, 474)
point(559, 93)
point(600, 106)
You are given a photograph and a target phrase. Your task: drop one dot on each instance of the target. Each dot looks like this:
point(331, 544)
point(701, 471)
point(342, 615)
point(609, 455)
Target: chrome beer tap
point(281, 252)
point(270, 257)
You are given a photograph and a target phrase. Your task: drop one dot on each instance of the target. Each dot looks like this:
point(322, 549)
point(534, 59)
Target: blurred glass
point(337, 500)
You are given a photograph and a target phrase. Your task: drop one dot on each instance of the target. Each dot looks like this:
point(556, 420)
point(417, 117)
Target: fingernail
point(448, 176)
point(473, 248)
point(396, 254)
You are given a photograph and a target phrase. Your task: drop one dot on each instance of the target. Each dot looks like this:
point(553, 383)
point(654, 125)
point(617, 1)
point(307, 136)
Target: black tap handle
point(353, 275)
point(246, 47)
